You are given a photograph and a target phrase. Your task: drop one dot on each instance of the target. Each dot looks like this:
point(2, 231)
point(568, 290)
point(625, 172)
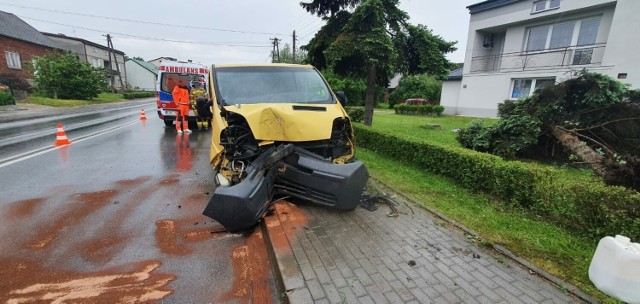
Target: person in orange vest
point(181, 98)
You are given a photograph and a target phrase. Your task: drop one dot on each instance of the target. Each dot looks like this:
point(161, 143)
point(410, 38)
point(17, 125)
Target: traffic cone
point(61, 137)
point(142, 116)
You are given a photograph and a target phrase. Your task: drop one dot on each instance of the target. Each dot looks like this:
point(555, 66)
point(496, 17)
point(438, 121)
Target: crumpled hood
point(289, 122)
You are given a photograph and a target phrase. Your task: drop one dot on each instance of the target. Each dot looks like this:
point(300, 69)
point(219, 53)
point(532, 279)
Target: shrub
point(438, 109)
point(355, 113)
point(589, 209)
point(6, 99)
point(353, 88)
point(416, 87)
point(133, 95)
point(426, 109)
point(65, 76)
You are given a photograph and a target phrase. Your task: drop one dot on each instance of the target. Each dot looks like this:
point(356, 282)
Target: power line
point(144, 22)
point(149, 38)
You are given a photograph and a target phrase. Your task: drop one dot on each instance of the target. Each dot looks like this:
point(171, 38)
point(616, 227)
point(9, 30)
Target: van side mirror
point(342, 98)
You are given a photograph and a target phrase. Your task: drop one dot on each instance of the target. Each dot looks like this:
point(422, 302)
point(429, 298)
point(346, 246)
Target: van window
point(169, 80)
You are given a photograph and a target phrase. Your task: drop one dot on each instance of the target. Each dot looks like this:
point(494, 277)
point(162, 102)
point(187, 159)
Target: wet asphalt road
point(116, 216)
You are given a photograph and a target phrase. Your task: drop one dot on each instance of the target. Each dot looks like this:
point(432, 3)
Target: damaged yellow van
point(278, 130)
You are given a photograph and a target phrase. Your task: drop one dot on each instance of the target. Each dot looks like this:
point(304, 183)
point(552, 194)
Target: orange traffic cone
point(142, 116)
point(61, 137)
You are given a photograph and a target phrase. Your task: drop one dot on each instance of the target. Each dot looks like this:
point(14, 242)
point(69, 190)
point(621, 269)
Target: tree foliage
point(354, 88)
point(285, 55)
point(416, 86)
point(595, 118)
point(65, 76)
point(373, 42)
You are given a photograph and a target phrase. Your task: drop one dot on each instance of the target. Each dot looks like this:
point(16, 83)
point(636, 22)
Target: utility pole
point(276, 50)
point(115, 59)
point(294, 47)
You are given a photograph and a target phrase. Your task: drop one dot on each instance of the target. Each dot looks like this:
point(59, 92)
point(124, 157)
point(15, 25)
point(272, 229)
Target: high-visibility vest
point(180, 96)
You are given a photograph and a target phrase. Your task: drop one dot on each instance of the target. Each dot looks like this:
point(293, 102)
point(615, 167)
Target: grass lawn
point(547, 246)
point(102, 98)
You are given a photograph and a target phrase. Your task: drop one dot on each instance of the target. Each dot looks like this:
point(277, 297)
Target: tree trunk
point(572, 143)
point(369, 100)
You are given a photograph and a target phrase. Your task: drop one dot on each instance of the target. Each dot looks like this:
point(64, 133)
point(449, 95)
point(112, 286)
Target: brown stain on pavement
point(128, 183)
point(102, 250)
point(84, 204)
point(290, 218)
point(167, 238)
point(27, 282)
point(251, 270)
point(24, 208)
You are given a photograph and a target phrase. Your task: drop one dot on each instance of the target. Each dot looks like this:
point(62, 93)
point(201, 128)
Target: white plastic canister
point(615, 268)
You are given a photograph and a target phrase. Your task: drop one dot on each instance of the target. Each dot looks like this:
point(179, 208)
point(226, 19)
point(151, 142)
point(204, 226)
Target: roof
point(263, 65)
point(455, 74)
point(395, 81)
point(489, 4)
point(14, 27)
point(168, 58)
point(146, 65)
point(87, 42)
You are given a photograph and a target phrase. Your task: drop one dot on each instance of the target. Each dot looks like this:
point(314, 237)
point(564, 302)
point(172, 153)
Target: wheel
point(168, 122)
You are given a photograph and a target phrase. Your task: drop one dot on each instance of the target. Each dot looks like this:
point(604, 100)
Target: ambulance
point(170, 72)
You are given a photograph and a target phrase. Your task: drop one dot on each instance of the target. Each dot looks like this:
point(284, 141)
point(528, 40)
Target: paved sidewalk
point(361, 256)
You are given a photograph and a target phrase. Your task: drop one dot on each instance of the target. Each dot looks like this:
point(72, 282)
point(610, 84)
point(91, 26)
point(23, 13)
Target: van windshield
point(169, 80)
point(250, 85)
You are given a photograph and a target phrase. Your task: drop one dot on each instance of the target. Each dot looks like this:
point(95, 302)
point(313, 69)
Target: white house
point(517, 46)
point(142, 75)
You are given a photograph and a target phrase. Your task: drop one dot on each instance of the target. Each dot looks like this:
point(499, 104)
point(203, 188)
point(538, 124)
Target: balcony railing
point(557, 58)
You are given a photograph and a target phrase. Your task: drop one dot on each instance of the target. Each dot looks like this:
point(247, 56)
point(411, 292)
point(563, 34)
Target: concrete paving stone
point(488, 292)
point(465, 297)
point(424, 295)
point(307, 272)
point(356, 287)
point(467, 287)
point(336, 278)
point(481, 278)
point(402, 291)
point(408, 282)
point(368, 266)
point(394, 298)
point(366, 300)
point(344, 269)
point(301, 295)
point(314, 259)
point(323, 301)
point(301, 257)
point(389, 262)
point(505, 294)
point(508, 286)
point(332, 293)
point(444, 279)
point(447, 292)
point(502, 271)
point(462, 273)
point(363, 277)
point(376, 294)
point(322, 275)
point(382, 283)
point(315, 289)
point(347, 295)
point(386, 272)
point(334, 254)
point(327, 261)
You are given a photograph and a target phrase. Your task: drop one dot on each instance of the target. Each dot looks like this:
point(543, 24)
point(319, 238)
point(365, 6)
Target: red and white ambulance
point(170, 72)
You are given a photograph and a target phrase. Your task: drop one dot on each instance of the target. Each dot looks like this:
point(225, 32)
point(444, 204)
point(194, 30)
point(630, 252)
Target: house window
point(13, 60)
point(95, 49)
point(97, 63)
point(561, 35)
point(545, 5)
point(522, 88)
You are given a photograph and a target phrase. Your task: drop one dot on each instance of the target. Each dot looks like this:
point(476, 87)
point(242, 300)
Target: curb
point(573, 290)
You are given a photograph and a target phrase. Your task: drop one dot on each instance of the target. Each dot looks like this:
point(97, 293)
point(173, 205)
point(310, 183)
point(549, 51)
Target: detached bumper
point(302, 175)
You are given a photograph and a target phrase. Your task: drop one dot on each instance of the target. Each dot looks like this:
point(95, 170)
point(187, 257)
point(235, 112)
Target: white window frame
point(13, 60)
point(575, 35)
point(547, 6)
point(532, 89)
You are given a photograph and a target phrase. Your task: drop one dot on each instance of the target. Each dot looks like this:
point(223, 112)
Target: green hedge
point(419, 109)
point(589, 209)
point(6, 99)
point(355, 113)
point(133, 95)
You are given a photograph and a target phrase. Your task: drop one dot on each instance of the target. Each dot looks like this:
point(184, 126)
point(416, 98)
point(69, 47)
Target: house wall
point(71, 46)
point(450, 95)
point(480, 92)
point(140, 77)
point(27, 52)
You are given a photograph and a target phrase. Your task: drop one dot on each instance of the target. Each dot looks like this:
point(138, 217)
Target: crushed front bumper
point(287, 171)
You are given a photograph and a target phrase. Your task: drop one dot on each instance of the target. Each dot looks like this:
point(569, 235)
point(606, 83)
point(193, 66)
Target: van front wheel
point(168, 122)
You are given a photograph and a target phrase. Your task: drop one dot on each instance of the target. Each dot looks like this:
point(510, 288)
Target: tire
point(168, 122)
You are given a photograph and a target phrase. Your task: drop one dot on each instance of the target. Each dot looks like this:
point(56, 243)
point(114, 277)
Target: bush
point(133, 95)
point(353, 88)
point(6, 99)
point(426, 109)
point(589, 209)
point(355, 113)
point(65, 76)
point(419, 86)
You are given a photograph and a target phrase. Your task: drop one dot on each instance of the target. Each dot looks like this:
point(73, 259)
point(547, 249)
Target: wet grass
point(102, 98)
point(549, 247)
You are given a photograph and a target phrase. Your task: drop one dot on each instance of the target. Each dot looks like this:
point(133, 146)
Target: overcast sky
point(214, 31)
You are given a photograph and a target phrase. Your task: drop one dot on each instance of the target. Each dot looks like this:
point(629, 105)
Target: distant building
point(141, 75)
point(95, 54)
point(158, 61)
point(517, 46)
point(20, 44)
